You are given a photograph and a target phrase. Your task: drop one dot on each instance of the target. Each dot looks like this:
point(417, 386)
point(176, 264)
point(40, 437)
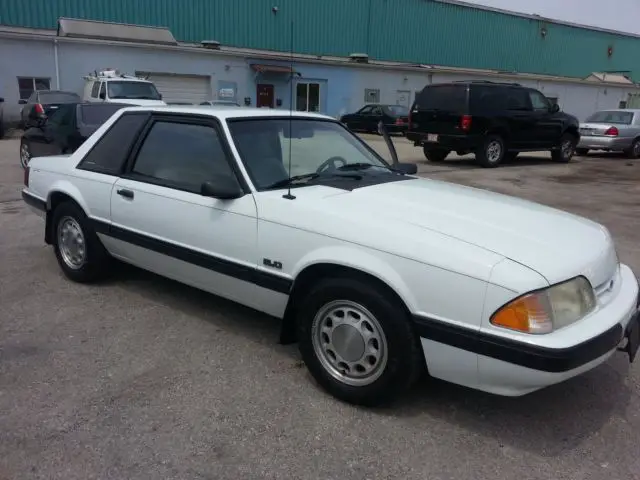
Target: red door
point(265, 95)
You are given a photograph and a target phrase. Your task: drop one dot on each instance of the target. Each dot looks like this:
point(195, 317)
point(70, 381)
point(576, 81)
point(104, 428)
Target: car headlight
point(547, 310)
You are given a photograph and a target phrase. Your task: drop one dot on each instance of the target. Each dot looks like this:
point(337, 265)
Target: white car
point(375, 272)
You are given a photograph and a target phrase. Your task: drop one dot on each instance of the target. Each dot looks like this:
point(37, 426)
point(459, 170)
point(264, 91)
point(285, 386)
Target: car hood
point(556, 244)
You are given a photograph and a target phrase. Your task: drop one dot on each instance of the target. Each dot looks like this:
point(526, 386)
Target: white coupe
point(377, 274)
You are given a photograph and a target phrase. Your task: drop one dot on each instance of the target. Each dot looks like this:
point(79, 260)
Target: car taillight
point(612, 132)
point(26, 176)
point(38, 108)
point(465, 123)
point(399, 121)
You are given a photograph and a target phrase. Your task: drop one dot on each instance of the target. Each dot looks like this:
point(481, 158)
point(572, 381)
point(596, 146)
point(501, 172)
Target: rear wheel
point(435, 155)
point(358, 342)
point(564, 152)
point(25, 153)
point(492, 152)
point(634, 150)
point(583, 152)
point(78, 250)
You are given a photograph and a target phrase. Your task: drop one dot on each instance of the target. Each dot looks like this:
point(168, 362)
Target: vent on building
point(210, 44)
point(359, 57)
point(74, 28)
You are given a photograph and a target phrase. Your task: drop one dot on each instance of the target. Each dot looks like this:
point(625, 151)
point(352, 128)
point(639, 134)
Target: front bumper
point(604, 143)
point(508, 367)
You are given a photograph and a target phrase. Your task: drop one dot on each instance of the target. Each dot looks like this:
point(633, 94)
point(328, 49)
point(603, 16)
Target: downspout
point(55, 61)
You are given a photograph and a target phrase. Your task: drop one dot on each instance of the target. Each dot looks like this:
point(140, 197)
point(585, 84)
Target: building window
point(28, 85)
point(371, 95)
point(622, 105)
point(308, 97)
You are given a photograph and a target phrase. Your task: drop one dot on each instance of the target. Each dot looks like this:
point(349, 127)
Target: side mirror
point(102, 95)
point(222, 188)
point(555, 108)
point(408, 168)
point(22, 102)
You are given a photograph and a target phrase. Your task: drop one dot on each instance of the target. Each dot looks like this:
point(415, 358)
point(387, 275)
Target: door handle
point(123, 192)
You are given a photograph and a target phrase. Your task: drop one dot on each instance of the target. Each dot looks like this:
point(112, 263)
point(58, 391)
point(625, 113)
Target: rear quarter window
point(110, 152)
point(451, 98)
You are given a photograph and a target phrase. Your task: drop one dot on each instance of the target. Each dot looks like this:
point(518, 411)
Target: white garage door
point(181, 88)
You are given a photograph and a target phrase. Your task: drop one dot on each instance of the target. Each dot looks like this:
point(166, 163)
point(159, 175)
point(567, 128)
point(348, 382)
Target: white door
point(403, 97)
point(182, 88)
point(165, 225)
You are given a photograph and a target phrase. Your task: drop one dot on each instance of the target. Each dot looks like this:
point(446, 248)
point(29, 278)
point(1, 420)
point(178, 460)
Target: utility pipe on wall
point(55, 61)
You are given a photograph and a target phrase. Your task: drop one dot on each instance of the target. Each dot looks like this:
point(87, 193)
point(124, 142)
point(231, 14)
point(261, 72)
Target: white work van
point(111, 86)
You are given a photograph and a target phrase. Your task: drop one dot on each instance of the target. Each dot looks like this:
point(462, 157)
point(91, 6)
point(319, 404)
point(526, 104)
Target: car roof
point(224, 111)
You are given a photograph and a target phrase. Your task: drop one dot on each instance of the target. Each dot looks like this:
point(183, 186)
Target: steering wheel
point(331, 164)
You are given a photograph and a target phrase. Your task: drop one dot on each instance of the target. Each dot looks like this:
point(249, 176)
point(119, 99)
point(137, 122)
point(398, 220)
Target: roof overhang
point(261, 68)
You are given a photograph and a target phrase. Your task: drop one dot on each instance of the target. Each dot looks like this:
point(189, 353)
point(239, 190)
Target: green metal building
point(434, 32)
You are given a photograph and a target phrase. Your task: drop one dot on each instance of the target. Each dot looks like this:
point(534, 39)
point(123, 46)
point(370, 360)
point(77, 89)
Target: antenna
point(288, 196)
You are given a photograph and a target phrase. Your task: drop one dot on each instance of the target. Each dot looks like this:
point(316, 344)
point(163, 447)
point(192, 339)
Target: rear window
point(398, 110)
point(485, 98)
point(59, 97)
point(98, 114)
point(443, 97)
point(620, 118)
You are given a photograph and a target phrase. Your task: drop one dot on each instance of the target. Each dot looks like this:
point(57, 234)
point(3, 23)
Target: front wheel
point(79, 252)
point(25, 153)
point(566, 149)
point(634, 150)
point(357, 341)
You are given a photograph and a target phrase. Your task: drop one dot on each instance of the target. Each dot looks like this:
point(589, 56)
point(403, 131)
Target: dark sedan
point(43, 102)
point(394, 117)
point(65, 130)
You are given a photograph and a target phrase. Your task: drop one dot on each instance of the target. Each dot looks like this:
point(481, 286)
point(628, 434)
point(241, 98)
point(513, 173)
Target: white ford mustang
point(376, 273)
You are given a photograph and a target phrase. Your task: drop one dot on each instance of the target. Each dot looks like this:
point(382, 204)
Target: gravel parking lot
point(144, 378)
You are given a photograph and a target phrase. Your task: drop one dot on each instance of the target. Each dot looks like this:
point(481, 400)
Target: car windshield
point(620, 118)
point(318, 148)
point(132, 90)
point(398, 110)
point(59, 97)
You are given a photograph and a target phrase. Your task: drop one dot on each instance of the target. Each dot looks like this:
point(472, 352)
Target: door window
point(182, 156)
point(308, 97)
point(102, 89)
point(94, 89)
point(376, 111)
point(538, 101)
point(366, 110)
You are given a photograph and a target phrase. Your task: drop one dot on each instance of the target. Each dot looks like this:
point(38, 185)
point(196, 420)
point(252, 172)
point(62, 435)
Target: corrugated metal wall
point(417, 31)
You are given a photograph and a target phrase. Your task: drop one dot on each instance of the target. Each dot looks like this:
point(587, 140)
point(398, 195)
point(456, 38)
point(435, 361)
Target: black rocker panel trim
point(210, 262)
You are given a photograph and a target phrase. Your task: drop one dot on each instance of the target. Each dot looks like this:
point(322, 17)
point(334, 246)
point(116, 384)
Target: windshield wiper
point(355, 166)
point(304, 179)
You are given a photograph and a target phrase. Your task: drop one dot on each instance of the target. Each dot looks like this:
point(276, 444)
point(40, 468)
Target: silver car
point(611, 131)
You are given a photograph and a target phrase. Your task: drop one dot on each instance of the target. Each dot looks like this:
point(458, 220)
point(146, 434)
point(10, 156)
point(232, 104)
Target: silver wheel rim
point(349, 342)
point(567, 149)
point(494, 151)
point(71, 243)
point(24, 154)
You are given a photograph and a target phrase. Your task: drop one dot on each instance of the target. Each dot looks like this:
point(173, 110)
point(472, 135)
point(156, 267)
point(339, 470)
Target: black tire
point(435, 155)
point(25, 149)
point(634, 150)
point(405, 360)
point(96, 259)
point(583, 152)
point(565, 150)
point(492, 152)
point(1, 129)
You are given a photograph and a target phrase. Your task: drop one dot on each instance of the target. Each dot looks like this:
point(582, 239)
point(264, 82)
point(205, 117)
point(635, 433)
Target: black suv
point(493, 120)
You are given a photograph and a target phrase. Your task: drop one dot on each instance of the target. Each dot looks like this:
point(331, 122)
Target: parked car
point(394, 117)
point(43, 103)
point(224, 103)
point(377, 273)
point(65, 130)
point(611, 131)
point(493, 120)
point(1, 117)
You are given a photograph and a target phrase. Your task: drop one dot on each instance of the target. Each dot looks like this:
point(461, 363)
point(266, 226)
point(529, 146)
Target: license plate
point(586, 131)
point(432, 137)
point(633, 337)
